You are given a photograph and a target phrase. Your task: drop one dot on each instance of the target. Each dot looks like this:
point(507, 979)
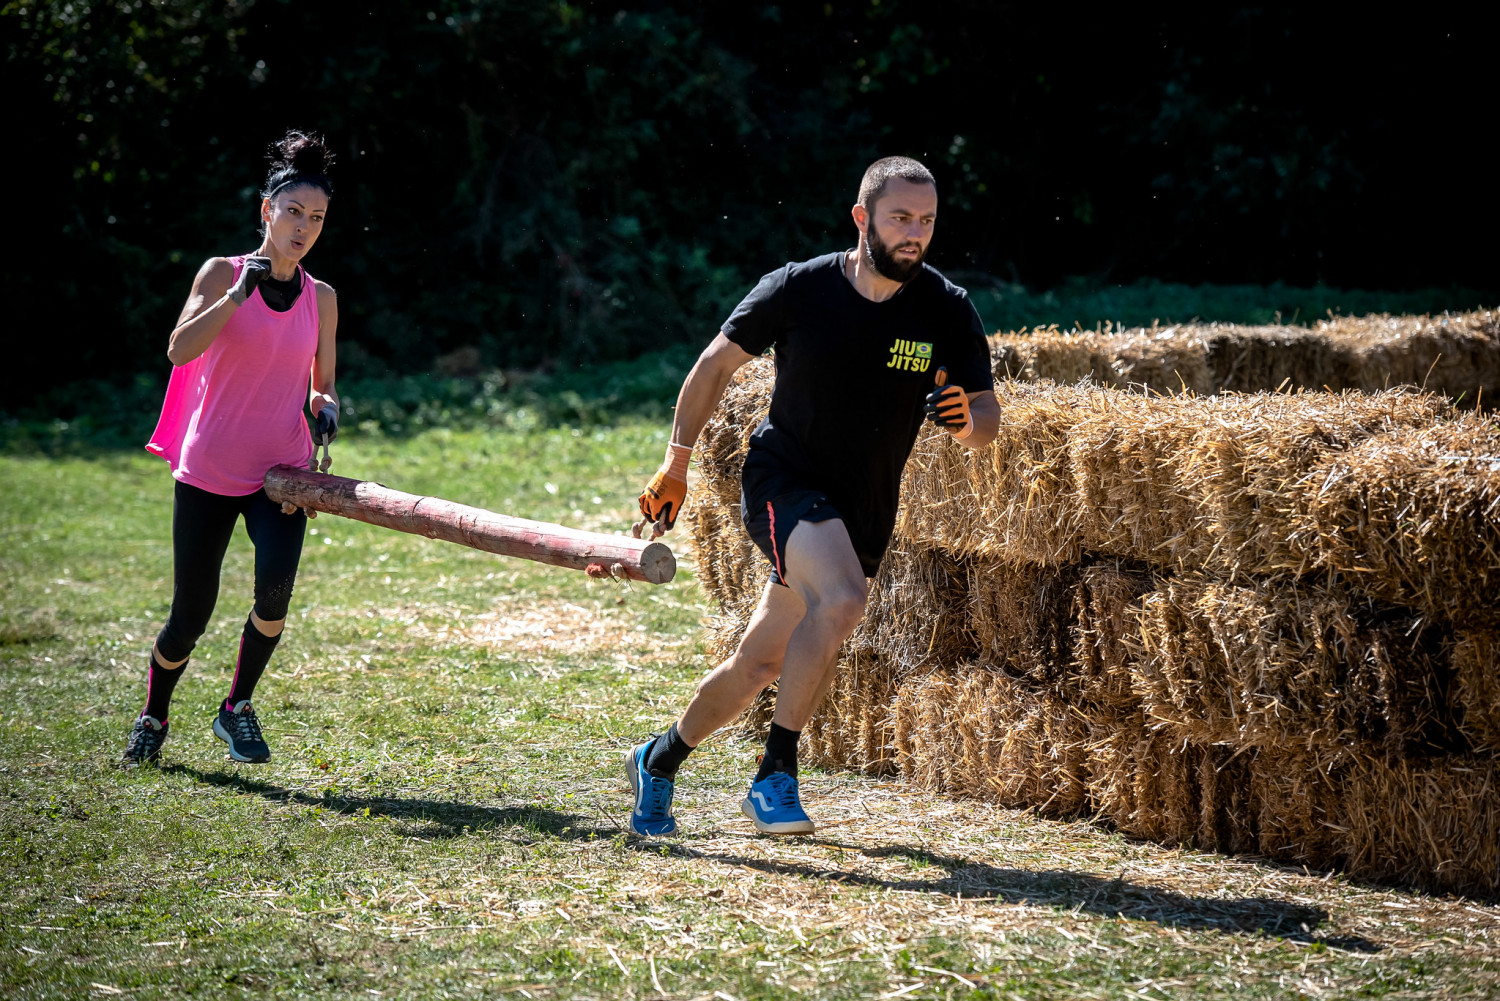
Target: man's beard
point(886, 263)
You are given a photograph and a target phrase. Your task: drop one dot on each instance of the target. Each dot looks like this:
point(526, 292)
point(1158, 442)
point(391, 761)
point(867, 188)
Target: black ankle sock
point(255, 654)
point(781, 752)
point(159, 685)
point(667, 754)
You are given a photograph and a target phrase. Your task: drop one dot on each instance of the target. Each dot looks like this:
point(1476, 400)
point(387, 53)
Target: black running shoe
point(238, 727)
point(146, 738)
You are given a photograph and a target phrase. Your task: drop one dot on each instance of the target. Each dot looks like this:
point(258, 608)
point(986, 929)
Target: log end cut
point(658, 565)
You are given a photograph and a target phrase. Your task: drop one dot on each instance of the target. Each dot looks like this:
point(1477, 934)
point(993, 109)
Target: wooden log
point(376, 504)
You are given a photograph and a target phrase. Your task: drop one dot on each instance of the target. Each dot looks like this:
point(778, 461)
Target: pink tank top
point(236, 410)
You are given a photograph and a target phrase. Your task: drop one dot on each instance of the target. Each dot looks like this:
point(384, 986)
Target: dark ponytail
point(299, 158)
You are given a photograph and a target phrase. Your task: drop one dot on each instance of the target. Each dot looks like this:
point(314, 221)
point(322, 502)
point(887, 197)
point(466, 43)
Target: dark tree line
point(555, 183)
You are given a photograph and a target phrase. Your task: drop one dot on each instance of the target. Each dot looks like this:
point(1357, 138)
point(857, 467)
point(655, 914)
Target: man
point(863, 342)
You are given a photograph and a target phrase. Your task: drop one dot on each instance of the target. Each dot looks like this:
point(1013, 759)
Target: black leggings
point(202, 524)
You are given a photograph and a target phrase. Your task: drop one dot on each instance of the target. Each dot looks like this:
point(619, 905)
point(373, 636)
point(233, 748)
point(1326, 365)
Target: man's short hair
point(879, 174)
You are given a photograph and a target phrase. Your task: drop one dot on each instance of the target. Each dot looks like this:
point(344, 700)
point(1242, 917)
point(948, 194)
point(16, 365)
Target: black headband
point(293, 178)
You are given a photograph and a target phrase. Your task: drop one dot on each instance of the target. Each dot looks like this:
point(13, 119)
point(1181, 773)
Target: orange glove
point(661, 501)
point(948, 407)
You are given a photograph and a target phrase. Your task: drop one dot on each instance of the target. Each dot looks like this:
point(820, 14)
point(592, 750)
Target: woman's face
point(294, 218)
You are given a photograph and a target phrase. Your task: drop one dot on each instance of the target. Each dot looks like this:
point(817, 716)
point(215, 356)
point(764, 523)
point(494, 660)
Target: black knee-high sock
point(667, 754)
point(781, 752)
point(159, 685)
point(255, 653)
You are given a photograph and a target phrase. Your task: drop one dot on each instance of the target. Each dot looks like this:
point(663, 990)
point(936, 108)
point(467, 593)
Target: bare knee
point(757, 669)
point(839, 611)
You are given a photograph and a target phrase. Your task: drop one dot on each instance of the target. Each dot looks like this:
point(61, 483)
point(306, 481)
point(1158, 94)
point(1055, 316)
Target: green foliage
point(557, 185)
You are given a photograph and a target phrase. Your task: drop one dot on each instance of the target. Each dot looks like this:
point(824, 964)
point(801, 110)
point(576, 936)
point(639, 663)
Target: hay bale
point(1455, 355)
point(1151, 359)
point(1258, 359)
point(1298, 810)
point(854, 727)
point(1143, 780)
point(968, 731)
point(1476, 672)
point(1214, 482)
point(1011, 500)
point(916, 614)
point(1412, 517)
point(1104, 633)
point(1395, 491)
point(1305, 667)
point(1433, 823)
point(728, 566)
point(1023, 617)
point(1061, 629)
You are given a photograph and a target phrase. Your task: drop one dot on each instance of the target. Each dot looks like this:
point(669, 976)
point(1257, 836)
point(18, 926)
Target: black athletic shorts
point(773, 499)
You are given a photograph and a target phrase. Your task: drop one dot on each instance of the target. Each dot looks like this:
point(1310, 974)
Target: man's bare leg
point(824, 571)
point(795, 634)
point(732, 686)
point(781, 625)
point(828, 578)
point(721, 696)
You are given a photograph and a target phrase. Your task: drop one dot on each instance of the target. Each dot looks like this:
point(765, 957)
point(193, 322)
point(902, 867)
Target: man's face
point(899, 228)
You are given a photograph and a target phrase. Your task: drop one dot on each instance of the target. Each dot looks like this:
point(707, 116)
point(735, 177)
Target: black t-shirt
point(852, 376)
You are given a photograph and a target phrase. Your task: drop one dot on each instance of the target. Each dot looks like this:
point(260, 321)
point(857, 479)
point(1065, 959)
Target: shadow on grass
point(439, 818)
point(1061, 889)
point(1058, 888)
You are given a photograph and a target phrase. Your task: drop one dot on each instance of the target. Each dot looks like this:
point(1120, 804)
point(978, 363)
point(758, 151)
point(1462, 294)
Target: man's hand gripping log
point(661, 501)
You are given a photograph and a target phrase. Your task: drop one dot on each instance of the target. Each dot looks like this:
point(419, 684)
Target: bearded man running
point(863, 339)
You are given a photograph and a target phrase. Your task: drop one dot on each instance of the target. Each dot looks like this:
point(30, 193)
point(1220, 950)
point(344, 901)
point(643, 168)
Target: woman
point(251, 331)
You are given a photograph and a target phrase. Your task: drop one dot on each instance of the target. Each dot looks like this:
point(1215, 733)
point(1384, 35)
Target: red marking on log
point(435, 518)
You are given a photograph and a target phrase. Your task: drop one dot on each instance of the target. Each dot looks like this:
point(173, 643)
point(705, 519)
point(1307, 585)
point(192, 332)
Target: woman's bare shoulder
point(214, 272)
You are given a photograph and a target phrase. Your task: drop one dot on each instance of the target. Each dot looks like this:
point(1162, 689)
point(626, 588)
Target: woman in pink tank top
point(253, 346)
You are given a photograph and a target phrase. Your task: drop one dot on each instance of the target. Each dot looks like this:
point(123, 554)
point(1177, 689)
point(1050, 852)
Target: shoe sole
point(635, 796)
point(781, 827)
point(219, 732)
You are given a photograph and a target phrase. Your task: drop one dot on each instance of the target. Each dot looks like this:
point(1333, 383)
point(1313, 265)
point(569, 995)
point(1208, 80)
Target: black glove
point(254, 269)
point(326, 426)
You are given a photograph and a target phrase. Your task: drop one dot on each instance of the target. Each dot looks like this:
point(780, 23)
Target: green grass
point(444, 815)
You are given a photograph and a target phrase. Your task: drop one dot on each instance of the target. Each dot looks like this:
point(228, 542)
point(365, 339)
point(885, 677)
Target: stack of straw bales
point(1457, 355)
point(1265, 622)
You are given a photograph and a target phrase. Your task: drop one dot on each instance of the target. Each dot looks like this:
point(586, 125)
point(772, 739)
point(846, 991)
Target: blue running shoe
point(653, 796)
point(775, 807)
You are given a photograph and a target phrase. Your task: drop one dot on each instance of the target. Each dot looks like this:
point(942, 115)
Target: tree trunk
point(597, 554)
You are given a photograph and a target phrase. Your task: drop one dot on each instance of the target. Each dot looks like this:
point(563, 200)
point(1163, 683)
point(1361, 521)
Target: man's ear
point(861, 217)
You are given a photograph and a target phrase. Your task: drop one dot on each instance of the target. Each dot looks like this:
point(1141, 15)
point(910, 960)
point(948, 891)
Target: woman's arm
point(207, 309)
point(323, 393)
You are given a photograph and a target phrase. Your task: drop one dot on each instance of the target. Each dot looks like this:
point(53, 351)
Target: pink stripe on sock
point(236, 679)
point(150, 677)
